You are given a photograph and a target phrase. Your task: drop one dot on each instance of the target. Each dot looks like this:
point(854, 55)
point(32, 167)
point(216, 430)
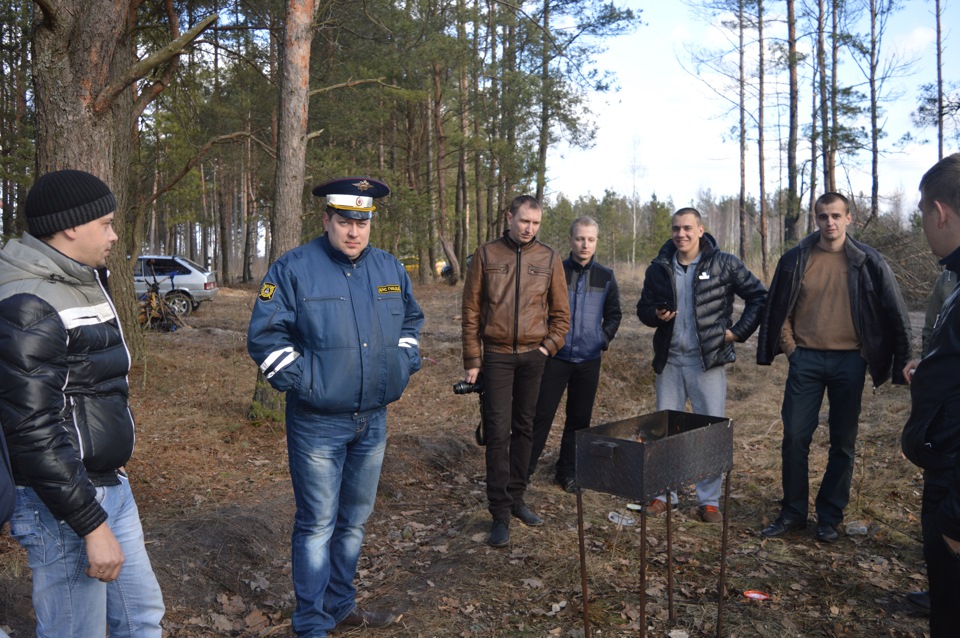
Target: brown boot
point(710, 514)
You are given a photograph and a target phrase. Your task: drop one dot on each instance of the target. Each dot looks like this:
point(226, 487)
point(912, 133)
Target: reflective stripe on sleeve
point(278, 360)
point(408, 342)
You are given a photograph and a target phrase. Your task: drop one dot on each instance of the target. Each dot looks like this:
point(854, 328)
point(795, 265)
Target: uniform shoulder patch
point(266, 291)
point(385, 289)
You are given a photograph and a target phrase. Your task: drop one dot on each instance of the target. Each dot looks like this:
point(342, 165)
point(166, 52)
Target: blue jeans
point(707, 392)
point(841, 374)
point(67, 602)
point(335, 465)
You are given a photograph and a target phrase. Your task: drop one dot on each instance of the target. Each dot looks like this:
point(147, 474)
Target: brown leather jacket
point(514, 300)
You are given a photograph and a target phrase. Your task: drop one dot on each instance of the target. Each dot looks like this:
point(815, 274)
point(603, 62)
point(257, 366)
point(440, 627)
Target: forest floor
point(217, 507)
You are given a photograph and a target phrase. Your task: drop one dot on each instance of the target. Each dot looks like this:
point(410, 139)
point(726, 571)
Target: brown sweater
point(822, 318)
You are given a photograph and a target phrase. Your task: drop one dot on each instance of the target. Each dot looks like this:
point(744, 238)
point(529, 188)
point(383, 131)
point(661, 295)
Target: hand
point(666, 315)
point(952, 545)
point(545, 352)
point(729, 337)
point(104, 554)
point(471, 374)
point(909, 368)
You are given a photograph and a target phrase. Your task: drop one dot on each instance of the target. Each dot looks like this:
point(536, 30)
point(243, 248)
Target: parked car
point(446, 273)
point(183, 283)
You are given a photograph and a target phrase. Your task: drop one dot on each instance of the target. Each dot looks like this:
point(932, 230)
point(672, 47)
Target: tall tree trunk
point(939, 12)
point(792, 218)
point(87, 102)
point(824, 111)
point(834, 137)
point(816, 102)
point(545, 90)
point(462, 203)
point(762, 162)
point(742, 202)
point(874, 114)
point(285, 222)
point(493, 169)
point(292, 131)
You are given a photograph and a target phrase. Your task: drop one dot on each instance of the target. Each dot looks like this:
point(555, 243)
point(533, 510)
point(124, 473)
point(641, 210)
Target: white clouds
point(676, 125)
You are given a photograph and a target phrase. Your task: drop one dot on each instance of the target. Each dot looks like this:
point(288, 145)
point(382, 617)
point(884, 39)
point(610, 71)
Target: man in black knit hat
point(66, 420)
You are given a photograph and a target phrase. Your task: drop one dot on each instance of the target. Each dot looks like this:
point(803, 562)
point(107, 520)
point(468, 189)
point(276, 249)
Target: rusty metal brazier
point(677, 449)
point(647, 456)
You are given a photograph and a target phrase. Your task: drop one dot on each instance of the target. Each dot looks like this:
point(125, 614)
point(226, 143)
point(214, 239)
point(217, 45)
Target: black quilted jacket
point(63, 381)
point(719, 276)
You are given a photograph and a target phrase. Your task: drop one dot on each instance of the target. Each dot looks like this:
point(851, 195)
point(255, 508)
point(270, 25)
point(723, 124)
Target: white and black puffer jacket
point(63, 380)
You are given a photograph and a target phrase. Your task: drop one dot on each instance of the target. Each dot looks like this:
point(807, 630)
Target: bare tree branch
point(148, 64)
point(193, 161)
point(348, 84)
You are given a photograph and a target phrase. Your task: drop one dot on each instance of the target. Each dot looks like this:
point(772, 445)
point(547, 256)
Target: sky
point(667, 132)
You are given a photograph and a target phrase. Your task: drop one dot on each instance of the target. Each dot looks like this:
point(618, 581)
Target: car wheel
point(180, 302)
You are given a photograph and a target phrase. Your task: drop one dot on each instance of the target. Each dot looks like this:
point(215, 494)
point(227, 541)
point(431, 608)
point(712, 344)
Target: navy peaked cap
point(352, 197)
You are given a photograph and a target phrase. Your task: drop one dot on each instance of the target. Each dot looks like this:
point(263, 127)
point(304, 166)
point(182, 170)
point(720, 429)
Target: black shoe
point(827, 533)
point(526, 517)
point(362, 618)
point(500, 532)
point(920, 600)
point(568, 483)
point(781, 526)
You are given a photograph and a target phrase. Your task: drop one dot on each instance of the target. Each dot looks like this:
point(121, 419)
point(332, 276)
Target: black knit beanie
point(64, 199)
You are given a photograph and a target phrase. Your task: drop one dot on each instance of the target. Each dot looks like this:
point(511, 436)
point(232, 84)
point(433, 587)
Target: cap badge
point(363, 185)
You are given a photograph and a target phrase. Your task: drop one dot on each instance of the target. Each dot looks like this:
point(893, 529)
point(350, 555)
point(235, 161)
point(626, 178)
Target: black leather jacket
point(63, 381)
point(879, 314)
point(931, 436)
point(713, 297)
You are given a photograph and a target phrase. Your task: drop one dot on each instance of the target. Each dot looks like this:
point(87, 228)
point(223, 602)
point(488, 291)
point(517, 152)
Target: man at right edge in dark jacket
point(931, 436)
point(835, 310)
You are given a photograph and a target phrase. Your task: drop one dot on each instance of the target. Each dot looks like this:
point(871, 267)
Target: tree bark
point(762, 162)
point(286, 224)
point(791, 232)
point(292, 134)
point(743, 137)
point(87, 100)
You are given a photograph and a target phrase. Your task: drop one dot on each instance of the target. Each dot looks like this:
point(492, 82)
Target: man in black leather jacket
point(931, 436)
point(836, 311)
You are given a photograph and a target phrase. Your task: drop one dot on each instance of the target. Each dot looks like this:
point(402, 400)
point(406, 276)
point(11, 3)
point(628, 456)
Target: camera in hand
point(463, 387)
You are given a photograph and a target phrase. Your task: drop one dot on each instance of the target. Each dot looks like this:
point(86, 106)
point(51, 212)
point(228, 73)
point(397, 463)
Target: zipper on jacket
point(516, 306)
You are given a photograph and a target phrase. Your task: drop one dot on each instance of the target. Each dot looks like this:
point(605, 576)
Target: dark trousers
point(580, 380)
point(943, 568)
point(841, 374)
point(511, 383)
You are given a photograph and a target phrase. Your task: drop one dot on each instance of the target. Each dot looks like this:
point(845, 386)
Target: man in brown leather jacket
point(515, 315)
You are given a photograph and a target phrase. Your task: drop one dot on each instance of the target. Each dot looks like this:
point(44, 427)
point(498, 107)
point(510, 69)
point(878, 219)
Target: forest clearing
point(215, 497)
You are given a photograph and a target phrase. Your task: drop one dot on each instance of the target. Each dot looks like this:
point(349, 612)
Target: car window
point(163, 267)
point(193, 264)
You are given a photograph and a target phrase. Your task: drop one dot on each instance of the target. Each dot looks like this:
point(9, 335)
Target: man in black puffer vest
point(687, 296)
point(66, 418)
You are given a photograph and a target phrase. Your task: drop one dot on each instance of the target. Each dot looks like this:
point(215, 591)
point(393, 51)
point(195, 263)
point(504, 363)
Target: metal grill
point(644, 457)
